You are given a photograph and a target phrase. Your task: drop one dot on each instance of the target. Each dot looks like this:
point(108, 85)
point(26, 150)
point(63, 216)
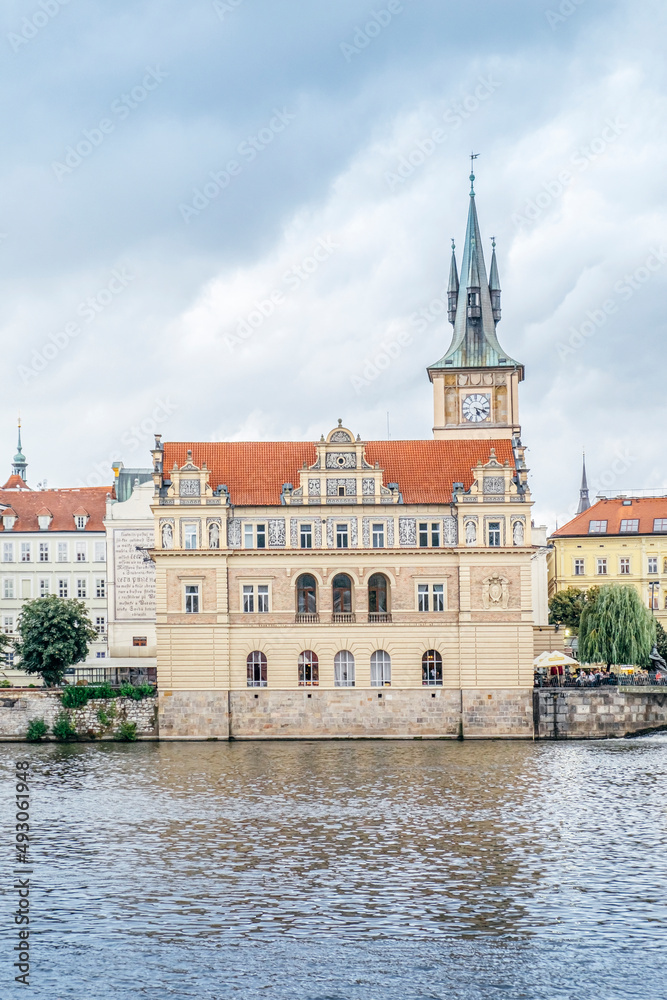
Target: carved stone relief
point(495, 592)
point(277, 532)
point(234, 533)
point(450, 531)
point(407, 531)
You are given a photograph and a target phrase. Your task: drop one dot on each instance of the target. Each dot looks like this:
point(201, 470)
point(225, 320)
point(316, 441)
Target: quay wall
point(595, 713)
point(19, 705)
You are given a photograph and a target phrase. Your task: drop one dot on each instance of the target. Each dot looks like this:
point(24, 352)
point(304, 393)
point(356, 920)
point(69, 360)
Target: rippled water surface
point(337, 871)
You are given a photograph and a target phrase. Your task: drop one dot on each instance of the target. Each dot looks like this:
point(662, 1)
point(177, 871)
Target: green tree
point(565, 608)
point(661, 640)
point(616, 628)
point(53, 634)
point(6, 646)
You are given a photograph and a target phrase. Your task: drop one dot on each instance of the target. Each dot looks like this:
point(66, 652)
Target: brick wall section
point(600, 712)
point(18, 706)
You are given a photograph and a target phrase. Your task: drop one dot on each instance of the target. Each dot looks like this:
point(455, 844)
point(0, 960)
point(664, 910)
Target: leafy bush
point(102, 691)
point(74, 697)
point(4, 683)
point(37, 730)
point(106, 715)
point(63, 730)
point(138, 692)
point(126, 732)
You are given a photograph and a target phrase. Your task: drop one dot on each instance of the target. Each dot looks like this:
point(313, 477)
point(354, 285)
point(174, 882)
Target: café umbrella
point(553, 659)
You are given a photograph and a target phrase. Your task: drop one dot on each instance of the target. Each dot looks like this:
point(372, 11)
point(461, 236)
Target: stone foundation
point(594, 713)
point(193, 715)
point(18, 706)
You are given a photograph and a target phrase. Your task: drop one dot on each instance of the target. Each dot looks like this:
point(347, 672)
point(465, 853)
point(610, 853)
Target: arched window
point(432, 668)
point(306, 595)
point(342, 594)
point(309, 671)
point(380, 668)
point(344, 669)
point(256, 669)
point(378, 591)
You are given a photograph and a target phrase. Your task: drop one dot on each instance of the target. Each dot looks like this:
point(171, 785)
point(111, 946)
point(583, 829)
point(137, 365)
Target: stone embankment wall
point(19, 705)
point(345, 712)
point(594, 713)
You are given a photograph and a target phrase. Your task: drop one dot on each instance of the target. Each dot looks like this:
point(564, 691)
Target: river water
point(343, 870)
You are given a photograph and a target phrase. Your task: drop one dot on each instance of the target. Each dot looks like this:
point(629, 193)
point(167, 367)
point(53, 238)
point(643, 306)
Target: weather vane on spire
point(473, 157)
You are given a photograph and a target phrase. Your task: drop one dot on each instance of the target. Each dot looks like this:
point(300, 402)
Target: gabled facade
point(349, 587)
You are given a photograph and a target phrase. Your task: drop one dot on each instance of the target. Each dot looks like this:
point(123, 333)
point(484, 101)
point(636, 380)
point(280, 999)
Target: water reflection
point(348, 869)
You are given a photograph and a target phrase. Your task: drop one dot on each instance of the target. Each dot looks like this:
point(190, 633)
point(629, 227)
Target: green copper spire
point(474, 340)
point(19, 464)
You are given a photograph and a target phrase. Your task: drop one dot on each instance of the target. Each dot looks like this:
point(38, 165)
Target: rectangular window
point(378, 536)
point(43, 551)
point(9, 659)
point(63, 588)
point(597, 527)
point(100, 552)
point(624, 567)
point(81, 552)
point(494, 533)
point(630, 525)
point(261, 536)
point(100, 587)
point(263, 599)
point(100, 655)
point(81, 589)
point(579, 567)
point(62, 552)
point(602, 567)
point(8, 552)
point(423, 535)
point(192, 600)
point(8, 625)
point(341, 491)
point(190, 536)
point(438, 597)
point(306, 536)
point(80, 520)
point(248, 536)
point(25, 552)
point(341, 536)
point(660, 524)
point(435, 535)
point(139, 640)
point(248, 600)
point(100, 625)
point(44, 587)
point(422, 597)
point(653, 564)
point(8, 589)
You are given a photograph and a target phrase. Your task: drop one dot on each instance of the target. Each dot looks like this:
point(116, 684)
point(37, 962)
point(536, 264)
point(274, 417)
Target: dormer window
point(80, 521)
point(8, 521)
point(44, 518)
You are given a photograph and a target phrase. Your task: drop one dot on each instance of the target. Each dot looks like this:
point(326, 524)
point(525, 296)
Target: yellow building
point(621, 540)
point(352, 588)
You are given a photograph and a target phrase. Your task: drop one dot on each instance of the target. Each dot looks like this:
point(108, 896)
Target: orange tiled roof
point(645, 510)
point(61, 503)
point(255, 471)
point(15, 483)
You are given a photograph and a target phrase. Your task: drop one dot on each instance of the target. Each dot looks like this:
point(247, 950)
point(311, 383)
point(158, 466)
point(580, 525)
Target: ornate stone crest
point(495, 592)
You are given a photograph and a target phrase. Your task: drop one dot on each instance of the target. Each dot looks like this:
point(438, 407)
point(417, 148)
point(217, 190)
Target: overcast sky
point(171, 171)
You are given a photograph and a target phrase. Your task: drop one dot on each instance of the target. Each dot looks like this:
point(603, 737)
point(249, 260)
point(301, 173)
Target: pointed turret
point(494, 283)
point(19, 464)
point(452, 287)
point(584, 501)
point(474, 341)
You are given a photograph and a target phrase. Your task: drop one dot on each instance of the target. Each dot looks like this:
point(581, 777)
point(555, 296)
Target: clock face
point(476, 407)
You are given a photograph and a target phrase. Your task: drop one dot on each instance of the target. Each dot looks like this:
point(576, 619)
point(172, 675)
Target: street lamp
point(652, 587)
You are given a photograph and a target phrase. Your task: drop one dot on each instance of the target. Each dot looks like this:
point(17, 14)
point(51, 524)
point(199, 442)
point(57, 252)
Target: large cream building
point(351, 587)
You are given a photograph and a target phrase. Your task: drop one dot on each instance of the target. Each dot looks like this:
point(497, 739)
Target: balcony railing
point(376, 617)
point(303, 618)
point(343, 618)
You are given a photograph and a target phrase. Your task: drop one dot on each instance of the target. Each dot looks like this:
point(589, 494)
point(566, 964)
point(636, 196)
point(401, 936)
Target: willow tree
point(616, 628)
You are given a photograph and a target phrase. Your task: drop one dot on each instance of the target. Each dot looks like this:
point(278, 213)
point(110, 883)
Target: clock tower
point(476, 383)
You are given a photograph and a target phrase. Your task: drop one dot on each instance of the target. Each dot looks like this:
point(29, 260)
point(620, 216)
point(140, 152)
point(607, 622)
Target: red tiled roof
point(255, 471)
point(15, 483)
point(645, 510)
point(60, 503)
